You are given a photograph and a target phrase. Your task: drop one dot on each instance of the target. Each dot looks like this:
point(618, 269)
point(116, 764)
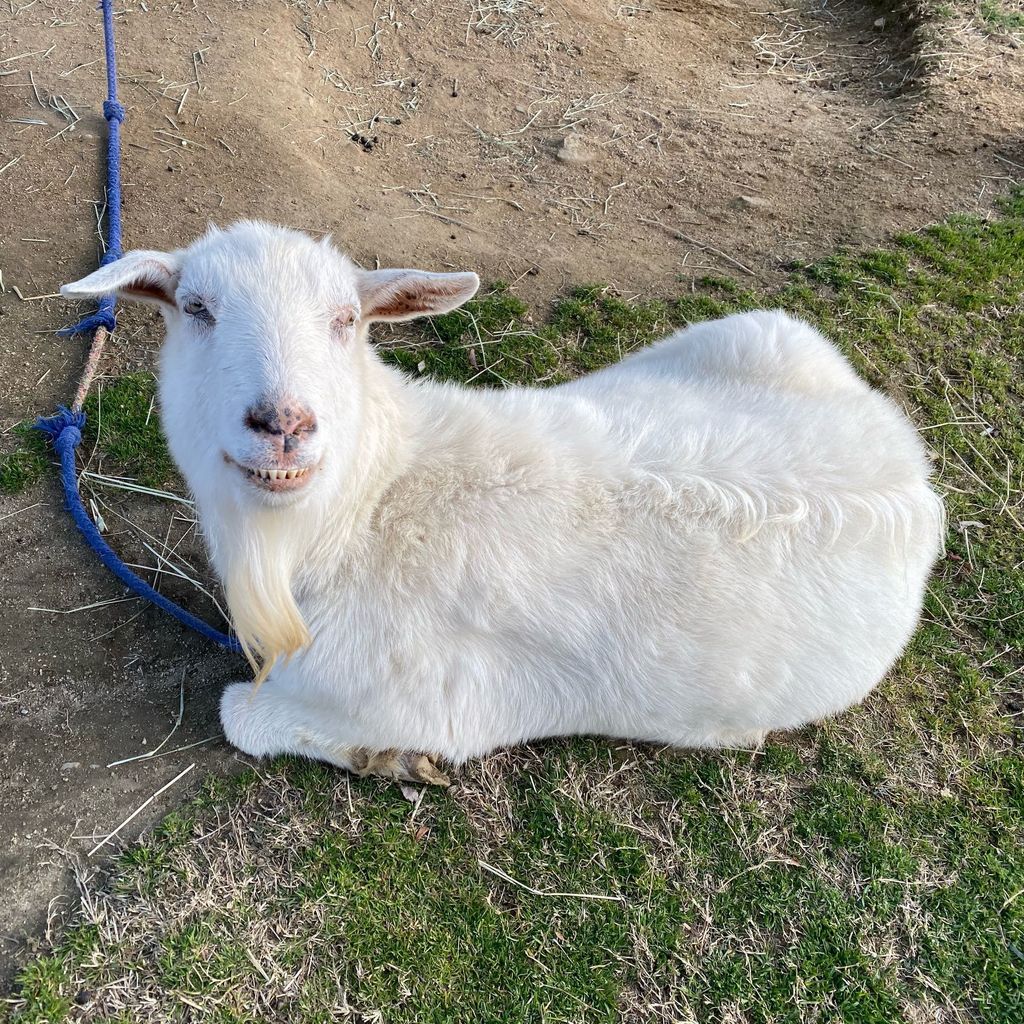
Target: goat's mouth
point(274, 479)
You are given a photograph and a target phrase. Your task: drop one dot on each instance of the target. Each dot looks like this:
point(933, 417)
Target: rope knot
point(63, 428)
point(101, 318)
point(113, 111)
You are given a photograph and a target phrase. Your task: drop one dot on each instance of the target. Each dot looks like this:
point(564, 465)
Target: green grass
point(122, 425)
point(996, 15)
point(26, 462)
point(123, 422)
point(866, 871)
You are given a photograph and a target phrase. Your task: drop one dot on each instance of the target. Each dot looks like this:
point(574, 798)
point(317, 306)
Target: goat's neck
point(389, 420)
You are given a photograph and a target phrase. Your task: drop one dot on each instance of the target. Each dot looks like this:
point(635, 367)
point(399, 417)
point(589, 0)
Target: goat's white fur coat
point(724, 534)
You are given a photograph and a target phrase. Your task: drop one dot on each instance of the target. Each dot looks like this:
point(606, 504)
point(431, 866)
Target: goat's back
point(760, 404)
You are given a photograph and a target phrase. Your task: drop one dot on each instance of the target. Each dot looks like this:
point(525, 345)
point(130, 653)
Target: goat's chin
point(257, 555)
point(255, 497)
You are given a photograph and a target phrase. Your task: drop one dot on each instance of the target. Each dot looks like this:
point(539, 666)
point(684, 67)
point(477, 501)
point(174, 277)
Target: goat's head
point(261, 368)
point(263, 392)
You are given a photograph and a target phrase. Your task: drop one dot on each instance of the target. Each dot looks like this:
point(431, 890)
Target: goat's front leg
point(263, 721)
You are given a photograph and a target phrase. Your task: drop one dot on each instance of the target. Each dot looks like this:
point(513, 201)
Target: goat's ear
point(144, 275)
point(404, 294)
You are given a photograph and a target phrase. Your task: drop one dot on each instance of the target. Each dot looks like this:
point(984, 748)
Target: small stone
point(880, 23)
point(751, 203)
point(68, 766)
point(572, 151)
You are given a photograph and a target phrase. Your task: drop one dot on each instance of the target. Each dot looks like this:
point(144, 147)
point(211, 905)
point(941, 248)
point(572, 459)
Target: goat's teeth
point(277, 474)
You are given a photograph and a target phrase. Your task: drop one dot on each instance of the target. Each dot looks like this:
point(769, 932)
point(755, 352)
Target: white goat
point(724, 534)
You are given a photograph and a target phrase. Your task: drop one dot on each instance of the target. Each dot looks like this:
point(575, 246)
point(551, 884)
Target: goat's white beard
point(257, 555)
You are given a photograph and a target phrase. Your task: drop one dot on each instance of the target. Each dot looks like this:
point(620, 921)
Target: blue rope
point(64, 428)
point(114, 114)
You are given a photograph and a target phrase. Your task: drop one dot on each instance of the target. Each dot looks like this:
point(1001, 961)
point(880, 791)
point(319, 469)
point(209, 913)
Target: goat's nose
point(286, 418)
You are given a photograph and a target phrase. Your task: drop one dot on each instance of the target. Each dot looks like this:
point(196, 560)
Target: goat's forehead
point(270, 263)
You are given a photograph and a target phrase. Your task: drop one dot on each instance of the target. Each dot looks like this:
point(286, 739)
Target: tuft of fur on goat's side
point(726, 533)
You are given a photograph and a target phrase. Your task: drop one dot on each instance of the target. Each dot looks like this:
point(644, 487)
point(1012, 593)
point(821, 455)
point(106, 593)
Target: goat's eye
point(196, 308)
point(343, 318)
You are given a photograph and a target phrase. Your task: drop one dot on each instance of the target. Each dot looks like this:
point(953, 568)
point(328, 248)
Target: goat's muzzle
point(283, 421)
point(282, 426)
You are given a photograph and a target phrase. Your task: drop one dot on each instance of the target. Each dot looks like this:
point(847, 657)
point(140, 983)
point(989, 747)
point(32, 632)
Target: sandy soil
point(545, 144)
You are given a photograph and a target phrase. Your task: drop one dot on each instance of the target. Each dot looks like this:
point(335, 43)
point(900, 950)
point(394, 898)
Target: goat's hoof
point(403, 766)
point(423, 768)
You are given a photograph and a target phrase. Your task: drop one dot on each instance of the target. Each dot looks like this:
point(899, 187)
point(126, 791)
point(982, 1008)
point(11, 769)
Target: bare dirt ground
point(545, 144)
